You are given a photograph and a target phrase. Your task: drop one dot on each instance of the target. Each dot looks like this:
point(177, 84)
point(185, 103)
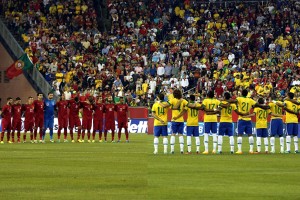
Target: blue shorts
point(244, 127)
point(225, 128)
point(160, 131)
point(192, 131)
point(49, 123)
point(276, 127)
point(177, 127)
point(210, 127)
point(292, 129)
point(262, 132)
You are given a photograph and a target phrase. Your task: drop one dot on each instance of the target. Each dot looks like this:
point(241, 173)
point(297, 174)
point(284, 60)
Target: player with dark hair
point(292, 111)
point(74, 121)
point(6, 119)
point(123, 118)
point(160, 115)
point(16, 119)
point(98, 118)
point(87, 117)
point(28, 110)
point(49, 115)
point(62, 115)
point(109, 110)
point(38, 117)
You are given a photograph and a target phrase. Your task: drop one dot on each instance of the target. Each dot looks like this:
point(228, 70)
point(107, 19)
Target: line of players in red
point(93, 111)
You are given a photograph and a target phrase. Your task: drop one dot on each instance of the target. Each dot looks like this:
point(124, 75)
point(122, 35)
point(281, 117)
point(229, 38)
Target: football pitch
point(131, 171)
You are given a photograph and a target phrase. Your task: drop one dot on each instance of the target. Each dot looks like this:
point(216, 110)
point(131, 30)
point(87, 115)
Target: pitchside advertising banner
point(141, 126)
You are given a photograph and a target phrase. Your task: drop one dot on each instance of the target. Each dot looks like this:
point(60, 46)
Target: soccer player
point(6, 119)
point(74, 121)
point(16, 122)
point(245, 104)
point(160, 115)
point(98, 118)
point(29, 119)
point(210, 106)
point(87, 117)
point(192, 125)
point(177, 104)
point(109, 110)
point(62, 115)
point(291, 110)
point(225, 125)
point(38, 117)
point(276, 124)
point(261, 126)
point(49, 116)
point(123, 117)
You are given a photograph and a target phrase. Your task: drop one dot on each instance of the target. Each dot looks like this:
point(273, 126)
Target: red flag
point(17, 68)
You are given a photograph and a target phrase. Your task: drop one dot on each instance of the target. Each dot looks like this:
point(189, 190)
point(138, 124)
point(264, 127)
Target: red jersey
point(17, 112)
point(62, 108)
point(98, 108)
point(121, 110)
point(7, 112)
point(38, 108)
point(109, 110)
point(87, 110)
point(74, 108)
point(28, 112)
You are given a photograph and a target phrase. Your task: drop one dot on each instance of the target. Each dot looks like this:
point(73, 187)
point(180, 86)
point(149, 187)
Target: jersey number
point(262, 114)
point(194, 113)
point(228, 110)
point(161, 111)
point(245, 107)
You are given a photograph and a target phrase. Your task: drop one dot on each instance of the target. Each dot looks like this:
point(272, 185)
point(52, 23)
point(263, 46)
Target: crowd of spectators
point(159, 45)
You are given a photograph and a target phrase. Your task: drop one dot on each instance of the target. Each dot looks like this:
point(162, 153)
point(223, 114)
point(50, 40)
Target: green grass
point(131, 171)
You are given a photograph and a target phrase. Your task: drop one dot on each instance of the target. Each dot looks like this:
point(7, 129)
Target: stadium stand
point(155, 45)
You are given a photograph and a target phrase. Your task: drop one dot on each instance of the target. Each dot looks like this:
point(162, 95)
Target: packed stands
point(156, 45)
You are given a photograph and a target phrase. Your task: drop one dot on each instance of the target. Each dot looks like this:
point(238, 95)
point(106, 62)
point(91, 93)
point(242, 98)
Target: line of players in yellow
point(244, 106)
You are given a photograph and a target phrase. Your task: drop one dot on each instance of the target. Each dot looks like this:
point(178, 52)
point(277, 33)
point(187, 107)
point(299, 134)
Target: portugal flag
point(17, 68)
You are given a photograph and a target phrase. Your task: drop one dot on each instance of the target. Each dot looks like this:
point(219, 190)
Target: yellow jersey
point(192, 117)
point(226, 113)
point(244, 106)
point(161, 112)
point(291, 118)
point(210, 104)
point(173, 102)
point(261, 116)
point(275, 109)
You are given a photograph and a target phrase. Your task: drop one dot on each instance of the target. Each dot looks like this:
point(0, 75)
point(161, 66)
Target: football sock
point(181, 143)
point(78, 134)
point(220, 142)
point(35, 134)
point(12, 135)
point(89, 134)
point(83, 134)
point(94, 134)
point(2, 136)
point(8, 136)
point(165, 142)
point(258, 143)
point(105, 135)
point(31, 136)
point(231, 143)
point(281, 139)
point(112, 135)
point(119, 134)
point(239, 142)
point(197, 143)
point(51, 133)
point(251, 142)
point(266, 143)
point(215, 141)
point(189, 143)
point(58, 133)
point(288, 143)
point(155, 142)
point(65, 133)
point(205, 141)
point(41, 134)
point(126, 133)
point(172, 142)
point(24, 136)
point(100, 135)
point(296, 142)
point(18, 134)
point(272, 142)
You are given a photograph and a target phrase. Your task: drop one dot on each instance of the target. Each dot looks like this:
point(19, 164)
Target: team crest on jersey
point(19, 64)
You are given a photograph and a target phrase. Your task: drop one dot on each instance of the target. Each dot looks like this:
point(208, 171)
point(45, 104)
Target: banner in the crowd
point(134, 126)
